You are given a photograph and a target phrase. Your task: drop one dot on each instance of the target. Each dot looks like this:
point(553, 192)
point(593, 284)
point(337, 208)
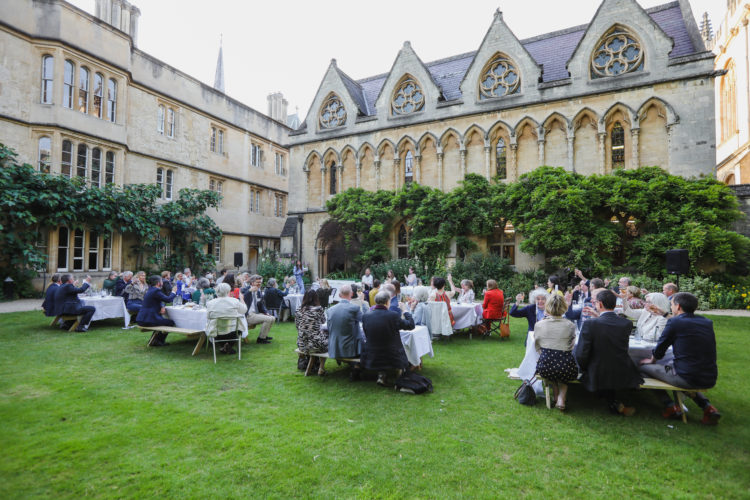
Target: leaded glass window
point(618, 53)
point(618, 145)
point(499, 78)
point(408, 97)
point(45, 154)
point(48, 64)
point(408, 167)
point(333, 113)
point(501, 160)
point(332, 169)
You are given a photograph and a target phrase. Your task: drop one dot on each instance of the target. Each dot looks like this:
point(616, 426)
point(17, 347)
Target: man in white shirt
point(367, 280)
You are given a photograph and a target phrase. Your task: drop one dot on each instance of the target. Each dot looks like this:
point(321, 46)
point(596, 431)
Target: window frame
point(79, 233)
point(109, 168)
point(112, 100)
point(160, 117)
point(85, 165)
point(96, 167)
point(170, 123)
point(169, 184)
point(84, 87)
point(48, 79)
point(93, 250)
point(44, 159)
point(98, 94)
point(106, 251)
point(69, 164)
point(69, 83)
point(63, 244)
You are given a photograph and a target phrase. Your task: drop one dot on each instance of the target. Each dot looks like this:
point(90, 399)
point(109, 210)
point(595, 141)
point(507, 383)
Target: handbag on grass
point(504, 330)
point(526, 395)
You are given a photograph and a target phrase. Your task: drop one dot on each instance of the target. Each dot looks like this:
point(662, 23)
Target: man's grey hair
point(389, 288)
point(204, 283)
point(223, 290)
point(271, 282)
point(345, 291)
point(422, 293)
point(627, 280)
point(186, 270)
point(127, 274)
point(382, 298)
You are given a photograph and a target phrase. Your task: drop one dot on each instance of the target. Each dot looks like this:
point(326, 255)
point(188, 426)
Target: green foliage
point(479, 267)
point(271, 267)
point(32, 202)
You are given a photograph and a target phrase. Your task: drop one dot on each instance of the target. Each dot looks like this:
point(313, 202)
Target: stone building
point(632, 87)
point(732, 51)
point(77, 97)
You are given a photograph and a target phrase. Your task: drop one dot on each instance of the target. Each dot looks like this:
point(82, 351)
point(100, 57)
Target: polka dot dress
point(557, 366)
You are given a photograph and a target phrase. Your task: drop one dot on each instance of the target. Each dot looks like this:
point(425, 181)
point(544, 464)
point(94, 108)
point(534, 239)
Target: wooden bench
point(322, 355)
point(648, 383)
point(190, 334)
point(65, 317)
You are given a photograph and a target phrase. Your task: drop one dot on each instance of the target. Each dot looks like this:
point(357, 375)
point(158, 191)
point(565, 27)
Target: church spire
point(219, 77)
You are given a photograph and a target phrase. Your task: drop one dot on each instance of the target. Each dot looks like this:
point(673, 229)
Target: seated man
point(694, 364)
point(602, 354)
point(273, 297)
point(383, 349)
point(225, 306)
point(123, 282)
point(49, 296)
point(256, 310)
point(670, 289)
point(393, 303)
point(68, 303)
point(152, 309)
point(345, 337)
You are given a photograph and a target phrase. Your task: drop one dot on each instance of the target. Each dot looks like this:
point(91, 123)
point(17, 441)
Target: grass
point(99, 414)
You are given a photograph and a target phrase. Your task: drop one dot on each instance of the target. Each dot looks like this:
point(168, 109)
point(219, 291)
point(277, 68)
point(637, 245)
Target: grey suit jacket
point(345, 336)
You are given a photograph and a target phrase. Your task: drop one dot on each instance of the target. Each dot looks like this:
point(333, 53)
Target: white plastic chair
point(223, 325)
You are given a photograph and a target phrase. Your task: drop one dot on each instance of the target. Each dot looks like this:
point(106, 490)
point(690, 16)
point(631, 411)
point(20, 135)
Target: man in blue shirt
point(694, 364)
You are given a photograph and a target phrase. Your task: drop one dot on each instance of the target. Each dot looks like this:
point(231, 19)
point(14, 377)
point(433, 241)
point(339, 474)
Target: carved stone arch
point(348, 149)
point(422, 141)
point(475, 128)
point(631, 39)
point(404, 142)
point(329, 154)
point(586, 155)
point(556, 152)
point(671, 115)
point(586, 112)
point(331, 249)
point(626, 110)
point(497, 127)
point(526, 120)
point(362, 149)
point(527, 145)
point(448, 132)
point(499, 77)
point(651, 139)
point(312, 155)
point(404, 101)
point(627, 118)
point(332, 113)
point(547, 123)
point(383, 144)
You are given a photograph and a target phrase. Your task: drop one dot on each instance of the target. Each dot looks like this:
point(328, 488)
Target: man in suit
point(49, 297)
point(602, 354)
point(694, 362)
point(383, 348)
point(122, 283)
point(256, 310)
point(345, 337)
point(152, 310)
point(670, 289)
point(68, 303)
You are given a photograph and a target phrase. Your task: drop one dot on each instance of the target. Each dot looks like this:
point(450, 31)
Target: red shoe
point(673, 412)
point(711, 416)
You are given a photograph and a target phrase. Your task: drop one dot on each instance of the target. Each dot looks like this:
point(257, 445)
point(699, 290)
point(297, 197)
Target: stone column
point(541, 142)
point(340, 180)
point(418, 168)
point(376, 163)
point(512, 174)
point(487, 159)
point(358, 166)
point(571, 153)
point(602, 153)
point(462, 151)
point(396, 171)
point(307, 188)
point(440, 168)
point(323, 170)
point(634, 159)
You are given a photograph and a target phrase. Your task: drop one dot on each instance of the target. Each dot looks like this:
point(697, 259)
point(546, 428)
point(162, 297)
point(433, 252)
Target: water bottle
point(656, 333)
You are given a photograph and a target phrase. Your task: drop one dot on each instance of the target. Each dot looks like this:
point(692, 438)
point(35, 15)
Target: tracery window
point(48, 63)
point(408, 97)
point(617, 136)
point(618, 52)
point(501, 160)
point(408, 167)
point(333, 113)
point(499, 78)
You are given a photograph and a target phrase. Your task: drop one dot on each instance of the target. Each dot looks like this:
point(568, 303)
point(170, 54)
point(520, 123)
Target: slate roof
point(290, 227)
point(552, 51)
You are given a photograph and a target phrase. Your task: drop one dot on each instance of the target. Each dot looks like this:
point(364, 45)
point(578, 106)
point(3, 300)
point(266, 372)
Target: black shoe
point(354, 375)
point(269, 338)
point(262, 341)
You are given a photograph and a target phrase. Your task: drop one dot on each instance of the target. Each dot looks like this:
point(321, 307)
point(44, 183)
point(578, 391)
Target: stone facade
point(511, 106)
point(165, 127)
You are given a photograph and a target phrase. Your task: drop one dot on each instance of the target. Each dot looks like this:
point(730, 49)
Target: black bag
point(303, 360)
point(526, 395)
point(413, 383)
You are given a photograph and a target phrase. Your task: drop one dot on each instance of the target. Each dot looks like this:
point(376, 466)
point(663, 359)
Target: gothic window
point(112, 100)
point(332, 169)
point(68, 84)
point(503, 242)
point(728, 110)
point(98, 95)
point(408, 97)
point(96, 167)
point(83, 90)
point(333, 113)
point(45, 152)
point(66, 163)
point(501, 161)
point(408, 167)
point(617, 53)
point(48, 63)
point(499, 78)
point(617, 136)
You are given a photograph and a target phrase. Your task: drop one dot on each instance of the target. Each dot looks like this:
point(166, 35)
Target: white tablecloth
point(195, 319)
point(107, 307)
point(466, 315)
point(417, 343)
point(407, 291)
point(293, 300)
point(337, 284)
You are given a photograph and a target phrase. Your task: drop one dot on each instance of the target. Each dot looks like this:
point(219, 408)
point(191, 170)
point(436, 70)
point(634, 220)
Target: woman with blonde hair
point(554, 339)
point(324, 292)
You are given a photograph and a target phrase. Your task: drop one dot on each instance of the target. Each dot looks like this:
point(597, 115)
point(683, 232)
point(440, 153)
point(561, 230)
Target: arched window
point(617, 136)
point(402, 242)
point(45, 153)
point(82, 160)
point(98, 95)
point(728, 87)
point(66, 163)
point(618, 52)
point(501, 161)
point(332, 169)
point(112, 100)
point(160, 120)
point(408, 167)
point(332, 113)
point(96, 167)
point(499, 78)
point(109, 173)
point(83, 90)
point(48, 64)
point(68, 84)
point(408, 97)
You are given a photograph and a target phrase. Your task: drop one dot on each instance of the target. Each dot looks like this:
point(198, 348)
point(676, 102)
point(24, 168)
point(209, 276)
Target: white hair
point(382, 298)
point(345, 291)
point(223, 290)
point(422, 293)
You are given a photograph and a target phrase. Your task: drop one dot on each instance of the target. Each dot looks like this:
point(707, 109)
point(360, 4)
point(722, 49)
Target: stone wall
point(742, 192)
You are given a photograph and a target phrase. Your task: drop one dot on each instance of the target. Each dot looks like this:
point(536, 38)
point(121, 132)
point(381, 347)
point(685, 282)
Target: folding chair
point(224, 325)
point(495, 325)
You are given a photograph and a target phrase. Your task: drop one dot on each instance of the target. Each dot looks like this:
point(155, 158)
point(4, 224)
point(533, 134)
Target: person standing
point(299, 273)
point(411, 278)
point(66, 298)
point(367, 282)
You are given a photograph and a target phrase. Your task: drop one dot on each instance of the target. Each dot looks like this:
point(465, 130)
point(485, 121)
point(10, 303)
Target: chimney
point(277, 106)
point(120, 14)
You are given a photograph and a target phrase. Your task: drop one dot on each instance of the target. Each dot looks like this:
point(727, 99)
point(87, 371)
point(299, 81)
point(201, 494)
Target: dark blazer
point(528, 312)
point(577, 295)
point(324, 296)
point(694, 346)
point(152, 304)
point(49, 299)
point(602, 354)
point(273, 297)
point(256, 297)
point(120, 288)
point(67, 301)
point(384, 349)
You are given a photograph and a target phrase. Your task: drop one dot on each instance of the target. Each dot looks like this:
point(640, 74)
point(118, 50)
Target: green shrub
point(271, 267)
point(479, 268)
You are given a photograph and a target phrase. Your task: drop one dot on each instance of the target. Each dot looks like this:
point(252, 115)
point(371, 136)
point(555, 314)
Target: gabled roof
point(551, 50)
point(290, 227)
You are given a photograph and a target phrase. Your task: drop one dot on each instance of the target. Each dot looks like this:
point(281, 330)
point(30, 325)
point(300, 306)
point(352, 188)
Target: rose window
point(408, 98)
point(500, 78)
point(618, 53)
point(333, 113)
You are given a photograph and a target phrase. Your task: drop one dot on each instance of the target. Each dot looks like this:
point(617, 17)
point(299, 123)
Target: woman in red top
point(441, 296)
point(494, 302)
point(229, 279)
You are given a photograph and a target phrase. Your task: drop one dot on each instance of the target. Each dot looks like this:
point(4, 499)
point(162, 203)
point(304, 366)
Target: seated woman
point(150, 314)
point(553, 285)
point(493, 307)
point(136, 291)
point(274, 297)
point(554, 339)
point(291, 286)
point(442, 296)
point(633, 298)
point(231, 280)
point(532, 312)
point(110, 282)
point(324, 292)
point(652, 318)
point(448, 293)
point(418, 305)
point(466, 294)
point(223, 305)
point(390, 276)
point(357, 299)
point(310, 338)
point(204, 290)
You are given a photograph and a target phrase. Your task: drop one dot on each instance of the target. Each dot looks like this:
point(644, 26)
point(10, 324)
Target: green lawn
point(99, 414)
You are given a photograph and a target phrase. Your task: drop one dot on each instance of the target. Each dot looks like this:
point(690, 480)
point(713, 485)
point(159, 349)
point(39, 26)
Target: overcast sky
point(287, 45)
